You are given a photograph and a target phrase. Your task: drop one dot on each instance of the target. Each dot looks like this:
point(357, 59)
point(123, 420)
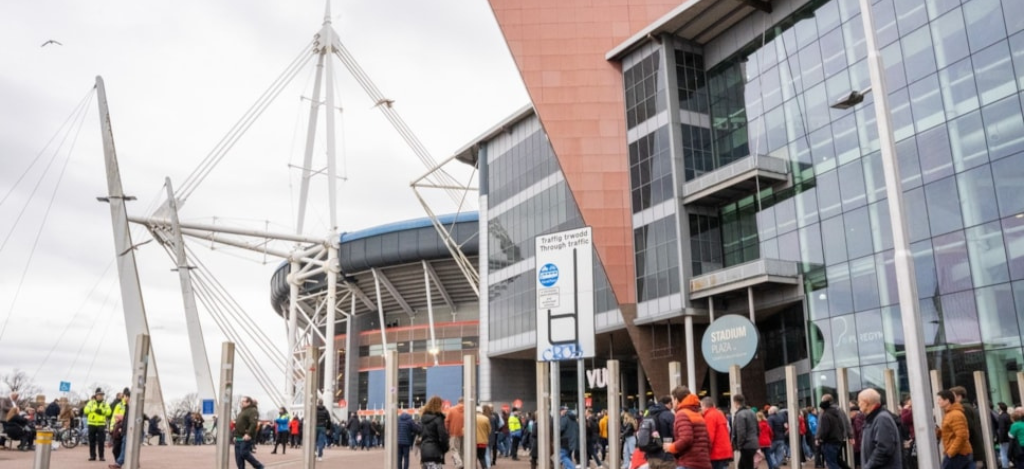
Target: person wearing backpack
point(744, 432)
point(656, 429)
point(718, 434)
point(880, 438)
point(691, 445)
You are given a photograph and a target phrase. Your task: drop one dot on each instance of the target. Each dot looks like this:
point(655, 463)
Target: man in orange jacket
point(691, 445)
point(956, 438)
point(718, 434)
point(456, 427)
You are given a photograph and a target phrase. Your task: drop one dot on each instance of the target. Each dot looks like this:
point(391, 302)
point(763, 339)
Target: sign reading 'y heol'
point(565, 295)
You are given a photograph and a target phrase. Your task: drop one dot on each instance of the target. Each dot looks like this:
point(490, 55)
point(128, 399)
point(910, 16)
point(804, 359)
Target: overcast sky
point(179, 75)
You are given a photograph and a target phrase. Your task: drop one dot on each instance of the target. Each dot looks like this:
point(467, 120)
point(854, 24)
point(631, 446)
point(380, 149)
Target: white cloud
point(179, 75)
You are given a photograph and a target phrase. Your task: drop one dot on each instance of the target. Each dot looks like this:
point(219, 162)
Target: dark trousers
point(403, 456)
point(243, 453)
point(746, 459)
point(282, 439)
point(97, 438)
point(515, 447)
point(957, 462)
point(481, 456)
point(831, 451)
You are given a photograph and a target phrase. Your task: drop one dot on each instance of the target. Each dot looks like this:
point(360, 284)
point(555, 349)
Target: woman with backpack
point(434, 436)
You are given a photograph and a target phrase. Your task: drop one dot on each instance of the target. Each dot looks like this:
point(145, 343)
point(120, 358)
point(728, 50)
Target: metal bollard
point(44, 443)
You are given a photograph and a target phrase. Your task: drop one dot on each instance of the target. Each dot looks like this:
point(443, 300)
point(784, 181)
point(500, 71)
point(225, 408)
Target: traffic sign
point(65, 386)
point(730, 340)
point(342, 403)
point(565, 295)
point(207, 406)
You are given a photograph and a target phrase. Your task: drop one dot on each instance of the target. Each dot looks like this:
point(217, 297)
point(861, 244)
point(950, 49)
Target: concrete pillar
point(691, 355)
point(891, 393)
point(227, 387)
point(614, 415)
point(469, 400)
point(981, 387)
point(641, 386)
point(543, 416)
point(793, 406)
point(675, 375)
point(843, 391)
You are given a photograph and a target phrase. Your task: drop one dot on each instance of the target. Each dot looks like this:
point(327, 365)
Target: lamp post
point(906, 280)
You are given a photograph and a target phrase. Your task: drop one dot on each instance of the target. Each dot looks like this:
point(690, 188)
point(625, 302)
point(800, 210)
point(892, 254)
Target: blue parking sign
point(207, 406)
point(65, 386)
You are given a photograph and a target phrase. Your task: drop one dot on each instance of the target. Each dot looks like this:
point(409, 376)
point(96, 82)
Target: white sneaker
point(319, 459)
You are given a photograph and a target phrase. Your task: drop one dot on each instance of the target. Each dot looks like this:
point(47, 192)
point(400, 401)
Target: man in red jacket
point(718, 434)
point(691, 445)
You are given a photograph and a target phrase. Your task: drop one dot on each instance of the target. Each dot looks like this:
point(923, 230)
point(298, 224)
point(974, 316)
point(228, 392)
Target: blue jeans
point(830, 451)
point(120, 456)
point(566, 460)
point(720, 464)
point(628, 446)
point(321, 441)
point(779, 451)
point(403, 456)
point(352, 439)
point(243, 453)
point(199, 436)
point(957, 462)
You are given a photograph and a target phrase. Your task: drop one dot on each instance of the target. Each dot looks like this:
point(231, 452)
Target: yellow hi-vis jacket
point(513, 423)
point(97, 413)
point(118, 410)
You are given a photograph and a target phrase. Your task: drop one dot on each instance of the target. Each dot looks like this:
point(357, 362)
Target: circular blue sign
point(730, 340)
point(548, 275)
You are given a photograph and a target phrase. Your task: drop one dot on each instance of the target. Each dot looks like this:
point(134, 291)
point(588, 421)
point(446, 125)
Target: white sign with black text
point(565, 295)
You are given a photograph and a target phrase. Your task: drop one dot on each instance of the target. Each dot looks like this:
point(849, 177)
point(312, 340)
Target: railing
point(733, 170)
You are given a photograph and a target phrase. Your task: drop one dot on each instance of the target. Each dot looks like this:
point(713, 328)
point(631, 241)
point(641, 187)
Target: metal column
point(614, 417)
point(293, 329)
point(556, 391)
point(227, 388)
point(391, 409)
point(984, 402)
point(331, 308)
point(691, 355)
point(469, 417)
point(675, 375)
point(793, 414)
point(891, 393)
point(843, 399)
point(937, 413)
point(543, 417)
point(913, 329)
point(309, 407)
point(133, 420)
point(581, 413)
point(641, 386)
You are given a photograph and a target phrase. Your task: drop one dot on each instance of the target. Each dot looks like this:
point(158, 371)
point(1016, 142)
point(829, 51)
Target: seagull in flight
point(51, 41)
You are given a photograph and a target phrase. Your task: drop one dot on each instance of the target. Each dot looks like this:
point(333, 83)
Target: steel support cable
point(60, 129)
point(39, 232)
point(79, 118)
point(250, 361)
point(399, 124)
point(103, 338)
point(238, 313)
point(252, 114)
point(78, 311)
point(254, 108)
point(88, 334)
point(216, 313)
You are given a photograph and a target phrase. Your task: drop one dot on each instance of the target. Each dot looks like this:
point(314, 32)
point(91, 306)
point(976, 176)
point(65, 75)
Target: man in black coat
point(353, 430)
point(744, 432)
point(1003, 423)
point(664, 421)
point(880, 442)
point(831, 435)
point(365, 430)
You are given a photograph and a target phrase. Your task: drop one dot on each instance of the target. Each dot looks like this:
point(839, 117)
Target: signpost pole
point(556, 390)
point(981, 387)
point(543, 417)
point(614, 417)
point(581, 417)
point(793, 406)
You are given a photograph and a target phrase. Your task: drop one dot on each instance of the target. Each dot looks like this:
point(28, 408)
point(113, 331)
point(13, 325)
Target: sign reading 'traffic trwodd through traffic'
point(729, 340)
point(565, 295)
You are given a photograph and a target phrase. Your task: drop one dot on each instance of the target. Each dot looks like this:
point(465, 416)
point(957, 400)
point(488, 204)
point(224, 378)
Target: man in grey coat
point(744, 432)
point(880, 442)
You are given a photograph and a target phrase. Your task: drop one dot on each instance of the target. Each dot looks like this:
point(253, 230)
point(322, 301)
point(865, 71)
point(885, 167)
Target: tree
point(21, 383)
point(189, 403)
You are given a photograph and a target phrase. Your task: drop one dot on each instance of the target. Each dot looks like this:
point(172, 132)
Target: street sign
point(565, 295)
point(342, 403)
point(65, 386)
point(730, 340)
point(207, 406)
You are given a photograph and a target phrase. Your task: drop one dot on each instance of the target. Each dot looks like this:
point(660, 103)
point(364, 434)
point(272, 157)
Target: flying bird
point(51, 41)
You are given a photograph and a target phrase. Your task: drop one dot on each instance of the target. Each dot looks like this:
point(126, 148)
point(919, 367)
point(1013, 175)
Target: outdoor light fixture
point(852, 99)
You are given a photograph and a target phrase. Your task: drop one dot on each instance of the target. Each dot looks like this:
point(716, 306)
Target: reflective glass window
point(935, 154)
point(806, 32)
point(785, 215)
point(789, 247)
point(994, 73)
point(967, 140)
point(856, 46)
point(817, 110)
point(952, 265)
point(987, 254)
point(810, 245)
point(806, 208)
point(865, 284)
point(1004, 127)
point(997, 316)
point(851, 185)
point(958, 91)
point(910, 14)
point(950, 38)
point(1013, 234)
point(943, 206)
point(811, 68)
point(868, 128)
point(776, 128)
point(771, 89)
point(858, 233)
point(870, 337)
point(1017, 49)
point(820, 337)
point(833, 235)
point(874, 177)
point(977, 191)
point(840, 292)
point(885, 22)
point(895, 75)
point(881, 225)
point(1013, 14)
point(829, 202)
point(1009, 178)
point(795, 128)
point(960, 319)
point(846, 139)
point(885, 270)
point(937, 7)
point(902, 119)
point(926, 102)
point(931, 319)
point(844, 341)
point(770, 249)
point(918, 57)
point(822, 150)
point(917, 214)
point(910, 167)
point(833, 53)
point(984, 23)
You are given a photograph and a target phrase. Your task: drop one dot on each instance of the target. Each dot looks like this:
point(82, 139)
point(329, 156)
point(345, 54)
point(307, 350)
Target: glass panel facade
point(657, 259)
point(645, 91)
point(650, 170)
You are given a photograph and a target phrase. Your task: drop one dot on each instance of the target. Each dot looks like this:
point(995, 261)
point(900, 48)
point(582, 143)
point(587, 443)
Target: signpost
point(65, 386)
point(729, 340)
point(565, 295)
point(208, 405)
